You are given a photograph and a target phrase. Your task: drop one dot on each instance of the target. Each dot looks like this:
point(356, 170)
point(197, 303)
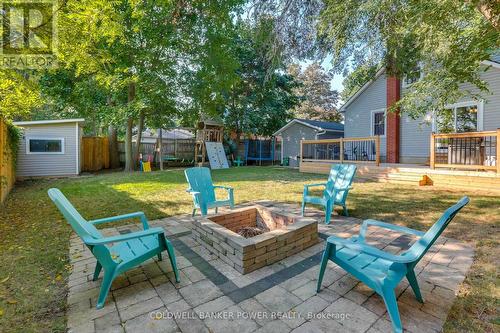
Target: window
point(44, 145)
point(378, 122)
point(460, 118)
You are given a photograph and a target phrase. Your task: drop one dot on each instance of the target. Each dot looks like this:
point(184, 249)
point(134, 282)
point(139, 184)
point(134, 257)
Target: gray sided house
point(50, 148)
point(303, 129)
point(365, 115)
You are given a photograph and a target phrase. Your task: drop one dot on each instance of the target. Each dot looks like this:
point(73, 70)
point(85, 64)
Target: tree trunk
point(114, 157)
point(160, 146)
point(129, 161)
point(140, 128)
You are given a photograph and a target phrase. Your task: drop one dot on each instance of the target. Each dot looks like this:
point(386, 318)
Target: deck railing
point(471, 151)
point(342, 150)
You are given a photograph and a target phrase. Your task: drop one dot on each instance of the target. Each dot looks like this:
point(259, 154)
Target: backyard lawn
point(34, 247)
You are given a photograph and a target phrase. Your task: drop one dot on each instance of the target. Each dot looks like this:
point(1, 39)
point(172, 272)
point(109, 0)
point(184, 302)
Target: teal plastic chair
point(336, 190)
point(116, 254)
point(202, 189)
point(380, 270)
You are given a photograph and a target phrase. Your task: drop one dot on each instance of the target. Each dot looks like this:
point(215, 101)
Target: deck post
point(432, 160)
point(341, 150)
point(377, 150)
point(498, 151)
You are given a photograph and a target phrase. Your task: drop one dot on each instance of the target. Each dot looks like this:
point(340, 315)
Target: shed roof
point(48, 122)
point(319, 125)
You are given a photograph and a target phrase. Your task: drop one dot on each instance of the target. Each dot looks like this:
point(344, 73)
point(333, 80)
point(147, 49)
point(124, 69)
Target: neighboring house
point(406, 140)
point(49, 148)
point(303, 129)
point(150, 136)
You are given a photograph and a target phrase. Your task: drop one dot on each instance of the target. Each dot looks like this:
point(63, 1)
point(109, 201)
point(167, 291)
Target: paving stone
point(306, 311)
point(200, 292)
point(134, 294)
point(215, 305)
point(167, 292)
point(235, 323)
point(193, 324)
point(178, 306)
point(344, 284)
point(275, 326)
point(306, 291)
point(382, 325)
point(320, 326)
point(140, 308)
point(278, 299)
point(193, 274)
point(356, 297)
point(145, 323)
point(375, 304)
point(357, 318)
point(105, 322)
point(261, 315)
point(328, 295)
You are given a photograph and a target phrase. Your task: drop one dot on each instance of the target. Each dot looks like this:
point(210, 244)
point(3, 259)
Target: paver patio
point(214, 297)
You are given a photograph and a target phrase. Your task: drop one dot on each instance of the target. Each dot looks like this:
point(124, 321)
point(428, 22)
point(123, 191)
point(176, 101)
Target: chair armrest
point(125, 237)
point(311, 185)
point(371, 250)
point(229, 188)
point(389, 226)
point(140, 215)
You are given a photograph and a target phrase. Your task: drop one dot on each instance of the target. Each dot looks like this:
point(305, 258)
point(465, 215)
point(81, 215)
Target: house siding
point(415, 133)
point(358, 113)
point(50, 164)
point(331, 135)
point(291, 137)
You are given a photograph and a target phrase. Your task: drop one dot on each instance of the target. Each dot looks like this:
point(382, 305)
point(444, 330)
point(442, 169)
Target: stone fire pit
point(283, 235)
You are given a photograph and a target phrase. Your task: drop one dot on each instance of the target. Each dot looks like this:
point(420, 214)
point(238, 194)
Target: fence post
point(377, 150)
point(498, 150)
point(300, 156)
point(341, 150)
point(432, 157)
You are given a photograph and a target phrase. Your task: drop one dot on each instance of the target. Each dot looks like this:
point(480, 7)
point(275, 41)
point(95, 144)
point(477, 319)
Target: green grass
point(34, 238)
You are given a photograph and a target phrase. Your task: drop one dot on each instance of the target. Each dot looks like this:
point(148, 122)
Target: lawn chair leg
point(344, 207)
point(171, 256)
point(160, 257)
point(97, 270)
point(324, 262)
point(414, 285)
point(328, 213)
point(392, 307)
point(216, 210)
point(303, 207)
point(105, 286)
point(194, 212)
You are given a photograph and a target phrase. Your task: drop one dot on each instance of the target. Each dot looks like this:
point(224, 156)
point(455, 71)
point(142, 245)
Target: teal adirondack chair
point(380, 270)
point(202, 189)
point(116, 254)
point(336, 190)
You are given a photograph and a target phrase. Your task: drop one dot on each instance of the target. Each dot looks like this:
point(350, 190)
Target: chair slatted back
point(420, 248)
point(200, 180)
point(82, 228)
point(341, 176)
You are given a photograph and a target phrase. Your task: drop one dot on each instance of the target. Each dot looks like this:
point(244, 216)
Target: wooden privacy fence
point(471, 151)
point(95, 153)
point(317, 155)
point(7, 167)
point(181, 149)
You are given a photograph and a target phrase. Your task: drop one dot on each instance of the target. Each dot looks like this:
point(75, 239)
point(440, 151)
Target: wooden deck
point(416, 175)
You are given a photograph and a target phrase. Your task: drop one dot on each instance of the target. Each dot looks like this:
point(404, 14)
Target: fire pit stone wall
point(284, 235)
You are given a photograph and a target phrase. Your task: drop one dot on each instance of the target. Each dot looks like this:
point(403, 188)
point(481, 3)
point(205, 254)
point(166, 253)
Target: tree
point(447, 40)
point(19, 94)
point(318, 99)
point(257, 101)
point(355, 80)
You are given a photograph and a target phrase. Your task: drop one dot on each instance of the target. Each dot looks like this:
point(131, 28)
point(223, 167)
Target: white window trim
point(29, 138)
point(480, 109)
point(372, 119)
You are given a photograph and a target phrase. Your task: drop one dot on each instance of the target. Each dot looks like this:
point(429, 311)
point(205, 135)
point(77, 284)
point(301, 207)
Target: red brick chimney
point(392, 135)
